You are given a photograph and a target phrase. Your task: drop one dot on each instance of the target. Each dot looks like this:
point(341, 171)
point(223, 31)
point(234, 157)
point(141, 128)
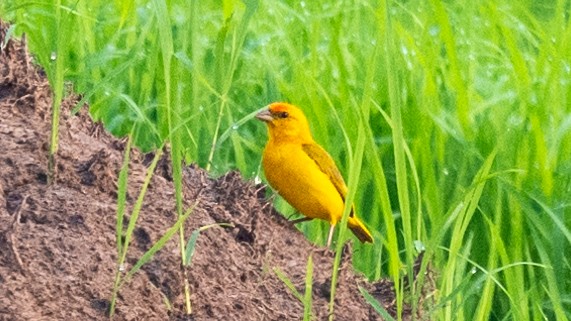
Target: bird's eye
point(284, 114)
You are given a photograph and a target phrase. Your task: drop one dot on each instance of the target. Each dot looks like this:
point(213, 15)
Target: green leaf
point(190, 245)
point(375, 304)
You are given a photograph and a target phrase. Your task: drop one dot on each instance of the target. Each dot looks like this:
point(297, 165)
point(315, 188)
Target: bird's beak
point(265, 116)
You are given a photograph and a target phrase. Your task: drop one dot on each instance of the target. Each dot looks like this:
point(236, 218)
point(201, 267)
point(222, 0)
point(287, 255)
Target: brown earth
point(57, 241)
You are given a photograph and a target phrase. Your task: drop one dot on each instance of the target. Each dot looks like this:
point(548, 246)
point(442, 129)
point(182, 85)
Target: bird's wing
point(327, 166)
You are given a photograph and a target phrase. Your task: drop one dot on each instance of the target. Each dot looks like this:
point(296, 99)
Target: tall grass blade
point(122, 183)
point(57, 83)
point(130, 227)
point(148, 255)
point(376, 305)
point(307, 298)
point(288, 283)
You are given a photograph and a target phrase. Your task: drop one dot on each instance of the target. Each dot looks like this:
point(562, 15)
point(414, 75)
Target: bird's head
point(286, 123)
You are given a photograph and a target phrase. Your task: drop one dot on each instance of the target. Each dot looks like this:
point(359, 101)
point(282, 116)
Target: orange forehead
point(292, 110)
point(279, 107)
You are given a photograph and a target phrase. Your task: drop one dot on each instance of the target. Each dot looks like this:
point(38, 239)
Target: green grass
point(307, 298)
point(450, 120)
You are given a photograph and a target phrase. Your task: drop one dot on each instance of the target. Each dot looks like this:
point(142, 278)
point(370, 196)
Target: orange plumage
point(302, 172)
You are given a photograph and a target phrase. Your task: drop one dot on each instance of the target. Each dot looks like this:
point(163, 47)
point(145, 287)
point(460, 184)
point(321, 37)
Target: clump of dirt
point(57, 241)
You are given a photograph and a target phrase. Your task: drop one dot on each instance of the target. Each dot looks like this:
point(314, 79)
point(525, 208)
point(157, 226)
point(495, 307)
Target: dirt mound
point(57, 242)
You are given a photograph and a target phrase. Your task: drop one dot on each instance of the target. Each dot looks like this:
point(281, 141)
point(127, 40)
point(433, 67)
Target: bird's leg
point(331, 229)
point(299, 220)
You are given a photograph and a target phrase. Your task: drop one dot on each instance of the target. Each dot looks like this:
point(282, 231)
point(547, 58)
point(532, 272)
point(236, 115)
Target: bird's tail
point(359, 229)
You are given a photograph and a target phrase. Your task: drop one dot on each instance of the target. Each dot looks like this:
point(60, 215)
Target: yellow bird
point(302, 172)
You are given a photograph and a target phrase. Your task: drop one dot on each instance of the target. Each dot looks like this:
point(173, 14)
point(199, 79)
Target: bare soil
point(57, 241)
